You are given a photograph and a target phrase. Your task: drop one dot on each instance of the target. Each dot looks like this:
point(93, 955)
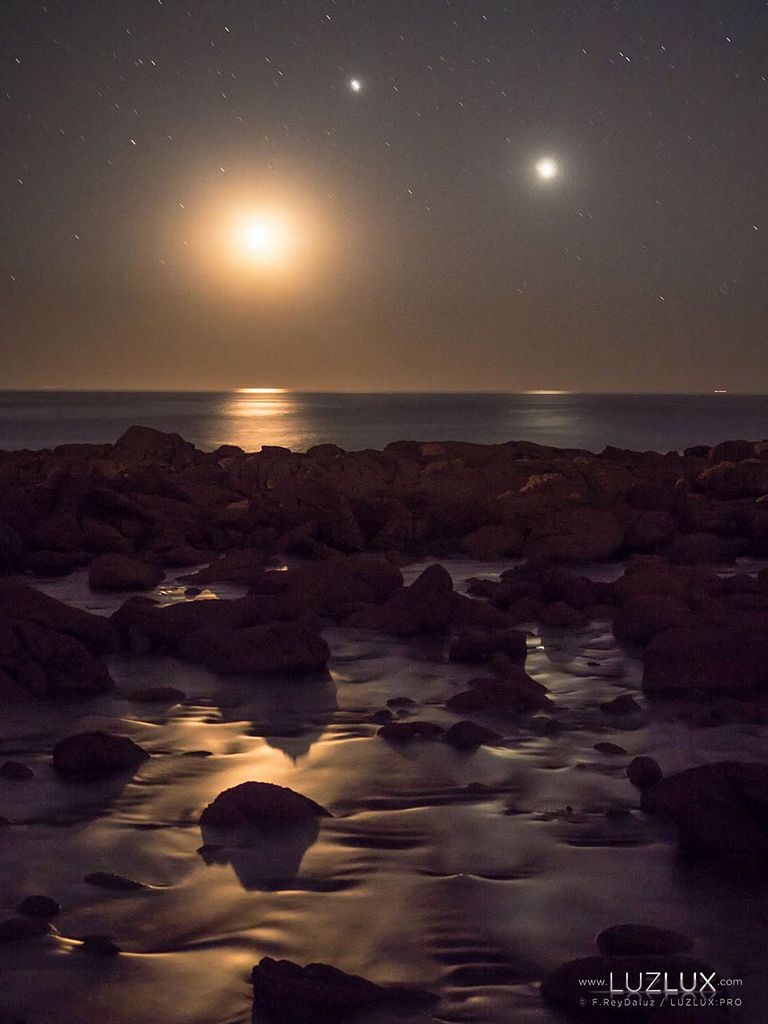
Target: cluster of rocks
point(155, 497)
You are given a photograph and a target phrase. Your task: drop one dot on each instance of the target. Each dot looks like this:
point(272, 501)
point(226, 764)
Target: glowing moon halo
point(547, 168)
point(355, 85)
point(265, 239)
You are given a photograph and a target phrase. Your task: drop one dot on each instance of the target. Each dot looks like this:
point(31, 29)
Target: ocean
point(299, 420)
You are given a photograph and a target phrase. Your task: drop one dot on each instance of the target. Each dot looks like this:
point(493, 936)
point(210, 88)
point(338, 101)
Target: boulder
point(515, 694)
point(622, 705)
point(703, 549)
point(144, 444)
point(38, 906)
point(279, 647)
point(115, 572)
point(719, 809)
point(727, 659)
point(467, 735)
point(473, 647)
point(259, 802)
point(112, 882)
point(93, 756)
point(640, 618)
point(319, 994)
point(404, 732)
point(643, 772)
point(426, 606)
point(581, 534)
point(492, 542)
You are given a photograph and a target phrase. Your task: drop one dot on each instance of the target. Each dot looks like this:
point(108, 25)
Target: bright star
point(547, 168)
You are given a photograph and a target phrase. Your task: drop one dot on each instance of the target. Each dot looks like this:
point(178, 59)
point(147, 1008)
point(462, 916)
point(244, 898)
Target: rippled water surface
point(420, 876)
point(252, 418)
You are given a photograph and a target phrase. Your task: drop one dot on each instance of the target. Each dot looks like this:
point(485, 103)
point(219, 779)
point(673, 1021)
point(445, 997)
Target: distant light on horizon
point(261, 391)
point(546, 391)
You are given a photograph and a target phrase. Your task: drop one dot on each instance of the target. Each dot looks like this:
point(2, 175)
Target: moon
point(355, 85)
point(547, 168)
point(265, 238)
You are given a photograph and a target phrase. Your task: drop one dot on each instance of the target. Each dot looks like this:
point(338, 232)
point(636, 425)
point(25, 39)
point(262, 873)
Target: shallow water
point(473, 893)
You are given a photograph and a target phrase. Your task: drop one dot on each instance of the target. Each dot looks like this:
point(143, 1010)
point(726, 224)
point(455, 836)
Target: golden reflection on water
point(258, 416)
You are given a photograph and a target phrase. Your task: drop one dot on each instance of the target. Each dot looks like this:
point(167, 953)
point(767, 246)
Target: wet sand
point(471, 874)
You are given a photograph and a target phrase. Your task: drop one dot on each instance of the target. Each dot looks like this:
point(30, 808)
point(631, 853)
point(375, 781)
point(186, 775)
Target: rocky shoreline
point(321, 540)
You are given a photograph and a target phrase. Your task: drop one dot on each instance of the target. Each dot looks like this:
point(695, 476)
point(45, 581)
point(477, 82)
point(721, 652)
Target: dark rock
point(719, 809)
point(727, 659)
point(640, 939)
point(14, 929)
point(115, 572)
point(513, 695)
point(492, 542)
point(580, 534)
point(475, 646)
point(643, 772)
point(469, 736)
point(400, 702)
point(703, 549)
point(404, 732)
point(101, 945)
point(319, 994)
point(425, 607)
point(610, 749)
point(623, 705)
point(38, 906)
point(279, 647)
point(115, 883)
point(15, 771)
point(93, 756)
point(641, 618)
point(144, 444)
point(259, 801)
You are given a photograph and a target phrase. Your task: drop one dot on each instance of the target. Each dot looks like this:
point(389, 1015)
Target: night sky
point(143, 140)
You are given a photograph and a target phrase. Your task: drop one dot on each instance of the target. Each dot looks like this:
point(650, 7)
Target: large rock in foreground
point(115, 572)
point(319, 994)
point(259, 801)
point(93, 756)
point(49, 650)
point(719, 809)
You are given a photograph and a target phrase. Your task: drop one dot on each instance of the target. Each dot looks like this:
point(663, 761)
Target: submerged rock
point(93, 756)
point(469, 736)
point(259, 801)
point(319, 994)
point(116, 883)
point(403, 732)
